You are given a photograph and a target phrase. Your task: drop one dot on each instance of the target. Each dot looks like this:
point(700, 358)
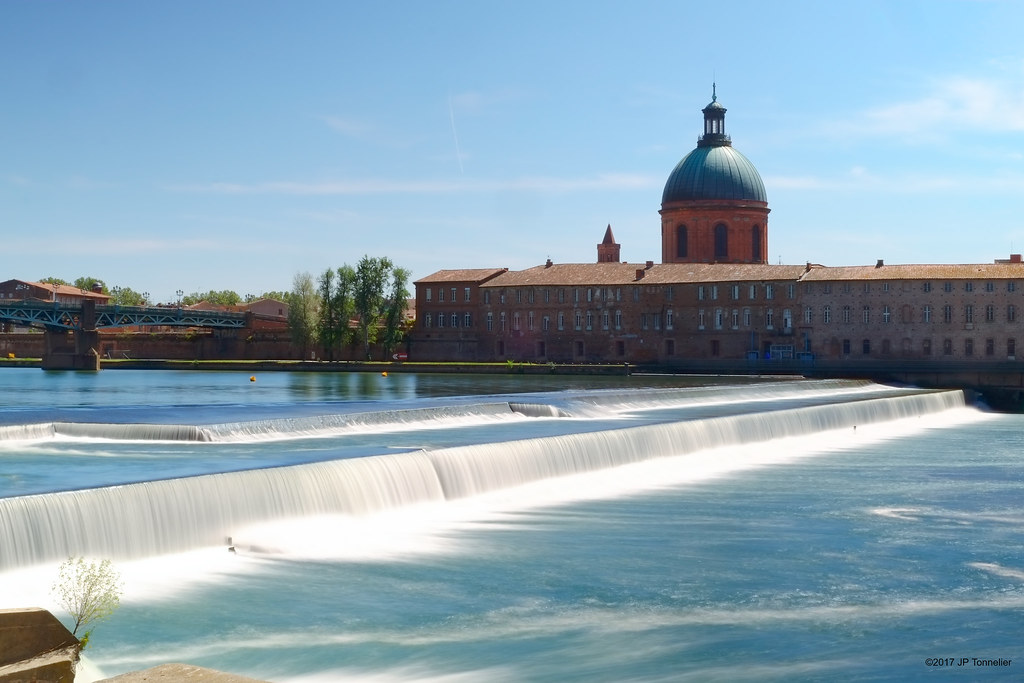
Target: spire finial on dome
point(714, 122)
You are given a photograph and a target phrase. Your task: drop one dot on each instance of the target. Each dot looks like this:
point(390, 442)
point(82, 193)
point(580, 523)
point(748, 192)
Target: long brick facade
point(660, 313)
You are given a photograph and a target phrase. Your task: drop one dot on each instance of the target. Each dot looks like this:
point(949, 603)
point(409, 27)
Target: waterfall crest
point(159, 517)
point(284, 428)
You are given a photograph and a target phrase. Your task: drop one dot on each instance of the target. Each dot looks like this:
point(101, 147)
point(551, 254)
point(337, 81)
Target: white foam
point(998, 570)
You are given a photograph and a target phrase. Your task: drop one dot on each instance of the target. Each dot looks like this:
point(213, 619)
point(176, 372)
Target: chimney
point(650, 264)
point(1015, 258)
point(639, 273)
point(880, 263)
point(548, 264)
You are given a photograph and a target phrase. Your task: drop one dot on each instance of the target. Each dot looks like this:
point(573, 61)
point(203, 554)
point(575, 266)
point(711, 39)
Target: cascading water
point(161, 517)
point(439, 528)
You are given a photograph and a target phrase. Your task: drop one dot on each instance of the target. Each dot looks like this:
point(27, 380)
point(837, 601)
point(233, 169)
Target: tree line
point(349, 306)
point(126, 296)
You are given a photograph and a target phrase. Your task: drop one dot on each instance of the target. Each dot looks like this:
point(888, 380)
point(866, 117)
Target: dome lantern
point(714, 123)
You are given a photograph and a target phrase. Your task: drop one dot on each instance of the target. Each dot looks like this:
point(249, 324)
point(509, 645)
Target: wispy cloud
point(18, 180)
point(74, 182)
point(349, 127)
point(332, 217)
point(860, 179)
point(120, 246)
point(949, 106)
point(610, 181)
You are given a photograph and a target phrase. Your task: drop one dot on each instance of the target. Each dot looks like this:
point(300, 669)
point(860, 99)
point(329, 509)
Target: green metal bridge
point(72, 331)
point(56, 316)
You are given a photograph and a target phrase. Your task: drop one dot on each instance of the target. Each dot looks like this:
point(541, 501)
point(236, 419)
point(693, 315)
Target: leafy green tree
point(277, 296)
point(126, 296)
point(53, 281)
point(88, 590)
point(345, 300)
point(336, 290)
point(224, 297)
point(395, 307)
point(371, 278)
point(87, 284)
point(327, 324)
point(303, 314)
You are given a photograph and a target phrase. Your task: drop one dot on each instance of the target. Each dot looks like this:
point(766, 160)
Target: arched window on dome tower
point(721, 242)
point(755, 244)
point(681, 241)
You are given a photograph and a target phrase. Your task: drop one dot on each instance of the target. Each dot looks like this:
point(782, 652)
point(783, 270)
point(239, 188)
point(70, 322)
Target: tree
point(224, 297)
point(336, 308)
point(371, 276)
point(302, 311)
point(394, 316)
point(52, 281)
point(88, 590)
point(327, 324)
point(87, 283)
point(276, 296)
point(126, 296)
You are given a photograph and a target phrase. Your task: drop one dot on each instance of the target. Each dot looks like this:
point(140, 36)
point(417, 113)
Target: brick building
point(64, 294)
point(715, 297)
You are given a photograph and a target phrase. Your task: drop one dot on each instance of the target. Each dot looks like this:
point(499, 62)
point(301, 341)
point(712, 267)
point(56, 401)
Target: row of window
point(847, 315)
point(447, 319)
point(721, 240)
point(608, 319)
point(947, 347)
point(704, 292)
point(968, 314)
point(580, 320)
point(428, 294)
point(578, 295)
point(734, 291)
point(866, 287)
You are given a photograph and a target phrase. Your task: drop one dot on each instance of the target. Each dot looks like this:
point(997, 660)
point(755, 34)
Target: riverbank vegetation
point(362, 306)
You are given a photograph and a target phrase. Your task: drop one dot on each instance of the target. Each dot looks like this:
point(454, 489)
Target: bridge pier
point(83, 351)
point(81, 354)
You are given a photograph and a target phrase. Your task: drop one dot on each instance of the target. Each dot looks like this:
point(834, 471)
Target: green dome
point(714, 172)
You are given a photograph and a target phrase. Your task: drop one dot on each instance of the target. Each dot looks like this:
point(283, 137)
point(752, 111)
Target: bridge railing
point(52, 314)
point(125, 316)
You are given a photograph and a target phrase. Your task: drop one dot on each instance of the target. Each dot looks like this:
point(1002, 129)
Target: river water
point(336, 527)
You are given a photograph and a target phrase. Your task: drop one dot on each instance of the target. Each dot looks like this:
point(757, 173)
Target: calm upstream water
point(336, 527)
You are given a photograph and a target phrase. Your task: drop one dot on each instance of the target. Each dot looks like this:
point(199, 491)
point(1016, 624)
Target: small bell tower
point(608, 250)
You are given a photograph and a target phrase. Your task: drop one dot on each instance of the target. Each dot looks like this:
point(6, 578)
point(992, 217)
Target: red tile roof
point(462, 275)
point(937, 271)
point(617, 274)
point(68, 290)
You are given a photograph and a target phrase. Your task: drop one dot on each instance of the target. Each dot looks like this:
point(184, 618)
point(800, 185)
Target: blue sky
point(230, 145)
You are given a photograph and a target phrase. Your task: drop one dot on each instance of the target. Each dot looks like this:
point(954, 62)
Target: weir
point(160, 517)
point(379, 421)
point(321, 425)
